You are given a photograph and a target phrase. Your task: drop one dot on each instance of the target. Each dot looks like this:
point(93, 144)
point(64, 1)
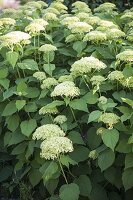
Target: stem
point(75, 119)
point(18, 73)
point(62, 170)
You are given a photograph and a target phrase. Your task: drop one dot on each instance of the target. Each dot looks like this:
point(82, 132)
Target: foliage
point(66, 102)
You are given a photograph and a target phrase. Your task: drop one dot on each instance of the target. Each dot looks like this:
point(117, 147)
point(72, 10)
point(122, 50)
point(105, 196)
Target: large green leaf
point(9, 109)
point(27, 127)
point(79, 104)
point(84, 184)
point(35, 177)
point(94, 116)
point(69, 191)
point(127, 178)
point(13, 122)
point(29, 64)
point(20, 104)
point(110, 138)
point(106, 159)
point(12, 57)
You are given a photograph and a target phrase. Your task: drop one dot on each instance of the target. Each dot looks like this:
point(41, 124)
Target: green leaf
point(30, 107)
point(66, 160)
point(123, 146)
point(91, 98)
point(106, 159)
point(79, 46)
point(3, 73)
point(51, 185)
point(79, 104)
point(49, 68)
point(94, 116)
point(5, 173)
point(9, 109)
point(22, 88)
point(75, 137)
point(20, 104)
point(129, 160)
point(70, 192)
point(12, 122)
point(5, 83)
point(128, 101)
point(93, 140)
point(27, 127)
point(20, 148)
point(127, 178)
point(12, 58)
point(29, 64)
point(84, 184)
point(110, 138)
point(35, 177)
point(32, 92)
point(48, 169)
point(80, 154)
point(16, 137)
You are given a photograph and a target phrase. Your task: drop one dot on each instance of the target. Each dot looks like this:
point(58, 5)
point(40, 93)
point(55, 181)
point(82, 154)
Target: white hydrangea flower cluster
point(97, 80)
point(127, 16)
point(92, 20)
point(7, 21)
point(36, 26)
point(71, 38)
point(54, 146)
point(36, 5)
point(15, 37)
point(107, 24)
point(47, 131)
point(48, 110)
point(103, 100)
point(80, 27)
point(114, 33)
point(130, 36)
point(126, 56)
point(60, 119)
point(109, 119)
point(59, 6)
point(79, 6)
point(127, 82)
point(95, 36)
point(93, 154)
point(65, 78)
point(66, 89)
point(46, 48)
point(82, 16)
point(86, 64)
point(116, 75)
point(105, 7)
point(48, 83)
point(39, 76)
point(69, 20)
point(49, 16)
point(52, 10)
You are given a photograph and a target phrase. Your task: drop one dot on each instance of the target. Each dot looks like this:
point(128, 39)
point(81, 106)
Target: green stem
point(75, 119)
point(62, 170)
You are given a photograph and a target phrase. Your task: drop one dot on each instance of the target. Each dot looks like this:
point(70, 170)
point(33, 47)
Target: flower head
point(114, 33)
point(103, 100)
point(130, 36)
point(60, 119)
point(49, 16)
point(80, 27)
point(69, 20)
point(107, 24)
point(34, 28)
point(53, 147)
point(65, 78)
point(46, 48)
point(110, 119)
point(42, 22)
point(15, 37)
point(48, 83)
point(105, 7)
point(97, 80)
point(66, 89)
point(59, 6)
point(127, 82)
point(39, 75)
point(48, 131)
point(79, 6)
point(7, 21)
point(95, 36)
point(52, 10)
point(126, 56)
point(86, 64)
point(92, 20)
point(93, 154)
point(128, 16)
point(116, 75)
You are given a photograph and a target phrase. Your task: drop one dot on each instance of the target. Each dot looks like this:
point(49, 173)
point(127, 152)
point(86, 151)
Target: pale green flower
point(59, 6)
point(41, 22)
point(127, 16)
point(69, 20)
point(83, 16)
point(105, 7)
point(86, 64)
point(100, 131)
point(110, 119)
point(48, 110)
point(80, 27)
point(97, 80)
point(103, 100)
point(107, 24)
point(7, 21)
point(66, 89)
point(130, 36)
point(130, 24)
point(48, 83)
point(15, 37)
point(116, 75)
point(93, 154)
point(46, 48)
point(48, 131)
point(53, 147)
point(52, 10)
point(50, 16)
point(114, 33)
point(127, 82)
point(37, 5)
point(34, 28)
point(60, 119)
point(79, 6)
point(39, 75)
point(92, 20)
point(70, 38)
point(95, 36)
point(126, 56)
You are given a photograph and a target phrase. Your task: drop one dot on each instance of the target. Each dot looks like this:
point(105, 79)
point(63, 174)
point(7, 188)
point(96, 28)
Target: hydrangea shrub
point(66, 100)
